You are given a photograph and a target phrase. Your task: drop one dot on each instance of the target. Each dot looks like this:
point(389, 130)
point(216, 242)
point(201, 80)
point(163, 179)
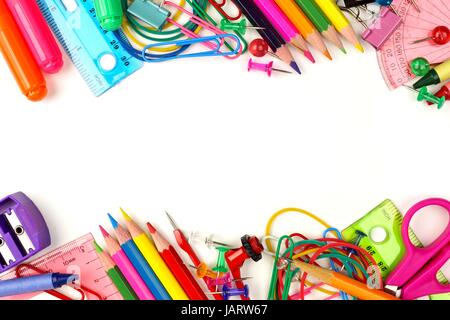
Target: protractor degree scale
point(395, 56)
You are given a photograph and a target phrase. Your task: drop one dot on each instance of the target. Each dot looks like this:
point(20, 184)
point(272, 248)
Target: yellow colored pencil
point(340, 22)
point(148, 250)
point(339, 281)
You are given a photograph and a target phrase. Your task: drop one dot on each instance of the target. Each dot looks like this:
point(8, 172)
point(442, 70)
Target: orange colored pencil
point(303, 25)
point(339, 281)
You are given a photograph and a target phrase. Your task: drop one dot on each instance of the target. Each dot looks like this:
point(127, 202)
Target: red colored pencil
point(177, 266)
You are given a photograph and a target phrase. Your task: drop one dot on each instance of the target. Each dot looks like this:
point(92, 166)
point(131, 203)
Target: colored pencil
point(177, 266)
point(284, 26)
point(340, 22)
point(115, 275)
point(139, 262)
point(148, 250)
point(303, 25)
point(184, 245)
point(126, 267)
point(339, 281)
point(268, 33)
point(321, 22)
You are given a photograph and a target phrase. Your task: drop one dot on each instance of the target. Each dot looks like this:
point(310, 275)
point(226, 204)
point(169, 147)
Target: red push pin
point(443, 92)
point(259, 48)
point(440, 36)
point(235, 258)
point(267, 68)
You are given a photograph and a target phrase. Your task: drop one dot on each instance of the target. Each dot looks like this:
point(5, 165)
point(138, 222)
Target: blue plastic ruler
point(96, 53)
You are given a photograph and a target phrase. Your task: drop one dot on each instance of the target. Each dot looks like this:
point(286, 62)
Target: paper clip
point(205, 16)
point(220, 34)
point(22, 269)
point(219, 8)
point(217, 40)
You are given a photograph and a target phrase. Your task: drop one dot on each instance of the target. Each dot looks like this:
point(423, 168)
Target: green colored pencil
point(321, 22)
point(115, 275)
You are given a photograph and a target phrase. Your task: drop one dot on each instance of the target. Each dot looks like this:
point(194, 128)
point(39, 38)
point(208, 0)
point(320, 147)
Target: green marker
point(109, 13)
point(115, 275)
point(321, 22)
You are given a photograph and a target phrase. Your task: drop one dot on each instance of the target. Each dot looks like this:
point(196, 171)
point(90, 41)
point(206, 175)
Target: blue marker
point(36, 283)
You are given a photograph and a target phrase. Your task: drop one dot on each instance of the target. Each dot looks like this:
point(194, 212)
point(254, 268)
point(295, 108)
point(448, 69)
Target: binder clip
point(380, 31)
point(149, 12)
point(23, 231)
point(356, 3)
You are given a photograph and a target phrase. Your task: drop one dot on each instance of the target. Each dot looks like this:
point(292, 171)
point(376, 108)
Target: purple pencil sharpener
point(23, 231)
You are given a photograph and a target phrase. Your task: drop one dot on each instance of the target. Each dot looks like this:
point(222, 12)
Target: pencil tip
point(125, 215)
point(151, 228)
point(114, 222)
point(104, 232)
point(310, 57)
point(328, 55)
point(97, 247)
point(294, 66)
point(359, 47)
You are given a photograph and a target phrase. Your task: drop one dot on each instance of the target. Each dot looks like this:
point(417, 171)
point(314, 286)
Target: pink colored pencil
point(126, 267)
point(284, 26)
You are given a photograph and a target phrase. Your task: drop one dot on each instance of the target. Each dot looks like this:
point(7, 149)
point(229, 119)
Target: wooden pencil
point(268, 32)
point(284, 26)
point(139, 262)
point(115, 275)
point(126, 267)
point(339, 281)
point(154, 259)
point(177, 266)
point(303, 25)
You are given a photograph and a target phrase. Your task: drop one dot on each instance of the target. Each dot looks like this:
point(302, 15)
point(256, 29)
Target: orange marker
point(19, 57)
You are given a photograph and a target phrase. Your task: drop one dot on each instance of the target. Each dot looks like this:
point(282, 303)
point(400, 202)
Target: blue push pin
point(228, 292)
point(387, 3)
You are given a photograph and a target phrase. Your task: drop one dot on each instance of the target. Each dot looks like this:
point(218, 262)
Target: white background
point(223, 149)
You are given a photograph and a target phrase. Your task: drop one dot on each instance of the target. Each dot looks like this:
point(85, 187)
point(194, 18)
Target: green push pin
point(240, 26)
point(428, 96)
point(420, 66)
point(221, 265)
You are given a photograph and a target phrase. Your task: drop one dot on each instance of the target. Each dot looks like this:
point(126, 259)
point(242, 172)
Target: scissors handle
point(426, 283)
point(416, 258)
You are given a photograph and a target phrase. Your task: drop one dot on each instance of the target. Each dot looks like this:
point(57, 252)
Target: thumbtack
point(221, 265)
point(387, 3)
point(240, 26)
point(228, 292)
point(428, 96)
point(204, 271)
point(225, 280)
point(259, 48)
point(208, 240)
point(267, 68)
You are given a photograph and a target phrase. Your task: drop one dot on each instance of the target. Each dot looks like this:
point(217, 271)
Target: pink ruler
point(80, 257)
point(396, 54)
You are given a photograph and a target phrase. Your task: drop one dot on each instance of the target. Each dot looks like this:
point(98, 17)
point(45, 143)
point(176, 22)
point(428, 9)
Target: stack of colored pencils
point(148, 267)
point(299, 23)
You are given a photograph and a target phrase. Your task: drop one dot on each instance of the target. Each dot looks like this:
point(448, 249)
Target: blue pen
point(139, 262)
point(36, 283)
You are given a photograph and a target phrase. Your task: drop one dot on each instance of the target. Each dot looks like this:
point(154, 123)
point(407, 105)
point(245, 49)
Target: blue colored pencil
point(139, 262)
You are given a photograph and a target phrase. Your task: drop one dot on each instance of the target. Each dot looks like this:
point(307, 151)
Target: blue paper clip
point(215, 41)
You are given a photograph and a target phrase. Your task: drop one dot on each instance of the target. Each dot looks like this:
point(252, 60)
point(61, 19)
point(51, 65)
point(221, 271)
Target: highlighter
point(19, 57)
point(37, 34)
